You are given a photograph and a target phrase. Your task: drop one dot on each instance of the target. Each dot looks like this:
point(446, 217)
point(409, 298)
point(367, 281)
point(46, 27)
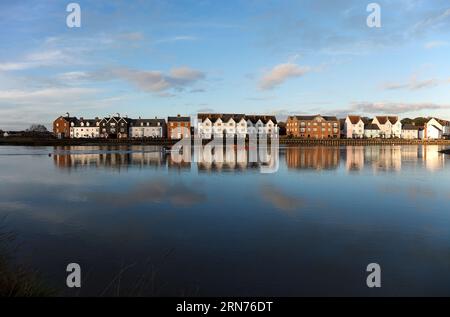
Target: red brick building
point(61, 126)
point(178, 127)
point(313, 127)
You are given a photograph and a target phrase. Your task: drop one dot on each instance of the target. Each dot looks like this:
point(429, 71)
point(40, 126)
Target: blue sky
point(159, 58)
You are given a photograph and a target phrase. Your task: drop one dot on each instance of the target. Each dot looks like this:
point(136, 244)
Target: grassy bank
point(16, 281)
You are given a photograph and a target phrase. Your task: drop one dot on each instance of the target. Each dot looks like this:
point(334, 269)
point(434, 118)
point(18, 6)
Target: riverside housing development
point(208, 125)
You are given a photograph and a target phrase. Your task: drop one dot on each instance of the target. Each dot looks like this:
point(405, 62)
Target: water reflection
point(327, 207)
point(355, 158)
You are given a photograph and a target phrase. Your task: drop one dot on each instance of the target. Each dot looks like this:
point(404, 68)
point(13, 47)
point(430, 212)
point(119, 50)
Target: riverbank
point(28, 141)
point(16, 281)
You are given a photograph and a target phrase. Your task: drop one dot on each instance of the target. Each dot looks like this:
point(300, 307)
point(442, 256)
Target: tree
point(37, 128)
point(407, 121)
point(420, 121)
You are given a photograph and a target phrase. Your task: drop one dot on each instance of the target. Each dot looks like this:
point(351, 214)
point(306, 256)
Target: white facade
point(433, 130)
point(146, 132)
point(390, 127)
point(371, 133)
point(205, 128)
point(85, 130)
point(354, 127)
point(233, 125)
point(410, 134)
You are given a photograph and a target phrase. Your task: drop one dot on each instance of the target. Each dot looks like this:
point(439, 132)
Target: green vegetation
point(16, 281)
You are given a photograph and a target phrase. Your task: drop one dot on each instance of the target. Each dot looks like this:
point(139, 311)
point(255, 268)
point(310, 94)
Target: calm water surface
point(140, 224)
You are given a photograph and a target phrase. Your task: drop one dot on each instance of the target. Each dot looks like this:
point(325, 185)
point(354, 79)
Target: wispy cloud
point(392, 107)
point(435, 44)
point(38, 59)
point(179, 38)
point(157, 81)
point(413, 84)
point(281, 73)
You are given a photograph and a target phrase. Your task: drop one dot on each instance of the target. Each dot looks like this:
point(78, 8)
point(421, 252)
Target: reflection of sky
point(226, 232)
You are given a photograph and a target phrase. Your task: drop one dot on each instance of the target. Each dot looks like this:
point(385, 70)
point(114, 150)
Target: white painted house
point(390, 126)
point(433, 129)
point(147, 128)
point(210, 124)
point(410, 132)
point(85, 128)
point(353, 127)
point(371, 131)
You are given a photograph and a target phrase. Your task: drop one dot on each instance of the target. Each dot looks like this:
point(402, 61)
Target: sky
point(158, 58)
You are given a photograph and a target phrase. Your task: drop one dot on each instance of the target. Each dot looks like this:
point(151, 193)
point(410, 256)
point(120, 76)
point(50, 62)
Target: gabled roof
point(222, 116)
point(436, 127)
point(385, 119)
point(354, 119)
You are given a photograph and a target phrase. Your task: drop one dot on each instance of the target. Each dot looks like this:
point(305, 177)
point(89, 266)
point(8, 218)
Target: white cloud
point(435, 44)
point(38, 59)
point(177, 39)
point(155, 81)
point(413, 84)
point(280, 73)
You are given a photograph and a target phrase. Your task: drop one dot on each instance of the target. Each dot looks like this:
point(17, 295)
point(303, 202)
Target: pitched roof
point(179, 119)
point(309, 118)
point(385, 119)
point(143, 122)
point(410, 127)
point(354, 119)
point(371, 126)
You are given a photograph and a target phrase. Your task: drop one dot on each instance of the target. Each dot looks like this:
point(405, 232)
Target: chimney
point(96, 118)
point(178, 115)
point(81, 118)
point(156, 117)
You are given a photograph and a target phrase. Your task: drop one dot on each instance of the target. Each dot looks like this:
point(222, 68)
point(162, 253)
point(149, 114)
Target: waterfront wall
point(29, 141)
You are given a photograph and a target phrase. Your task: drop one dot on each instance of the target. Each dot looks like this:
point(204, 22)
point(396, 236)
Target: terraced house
point(354, 127)
point(210, 124)
point(313, 127)
point(178, 127)
point(147, 128)
point(62, 125)
point(114, 127)
point(390, 126)
point(85, 128)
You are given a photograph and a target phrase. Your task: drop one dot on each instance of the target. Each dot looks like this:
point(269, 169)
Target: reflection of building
point(385, 158)
point(313, 127)
point(316, 157)
point(354, 158)
point(178, 127)
point(432, 158)
point(103, 156)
